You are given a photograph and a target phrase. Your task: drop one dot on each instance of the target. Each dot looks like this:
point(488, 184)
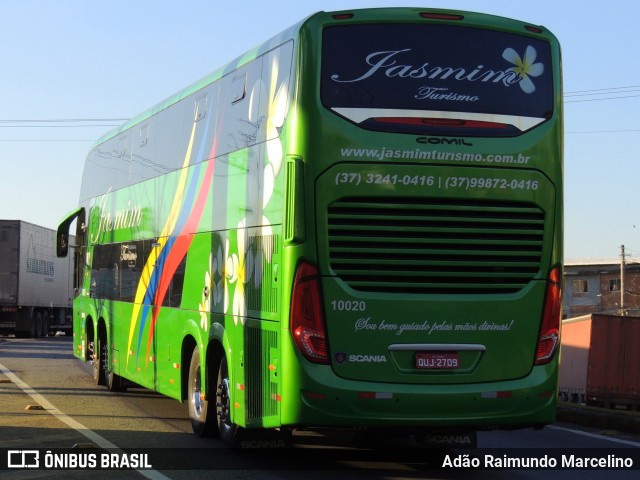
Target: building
point(595, 286)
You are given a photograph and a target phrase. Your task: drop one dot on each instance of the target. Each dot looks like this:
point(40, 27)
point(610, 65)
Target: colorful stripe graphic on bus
point(173, 244)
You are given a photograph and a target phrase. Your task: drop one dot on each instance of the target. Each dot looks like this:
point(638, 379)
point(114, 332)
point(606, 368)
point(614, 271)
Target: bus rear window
point(436, 79)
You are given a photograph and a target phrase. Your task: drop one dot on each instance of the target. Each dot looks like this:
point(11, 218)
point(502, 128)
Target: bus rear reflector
point(502, 394)
point(313, 395)
point(307, 320)
point(549, 337)
point(375, 395)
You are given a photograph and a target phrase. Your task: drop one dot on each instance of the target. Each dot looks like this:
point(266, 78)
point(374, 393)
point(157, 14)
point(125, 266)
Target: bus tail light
point(343, 16)
point(441, 16)
point(307, 320)
point(549, 337)
point(533, 29)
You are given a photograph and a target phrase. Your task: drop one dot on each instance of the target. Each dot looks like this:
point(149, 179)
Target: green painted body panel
point(199, 210)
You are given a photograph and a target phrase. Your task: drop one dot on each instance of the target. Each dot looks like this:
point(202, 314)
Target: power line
point(581, 92)
point(64, 120)
point(604, 131)
point(48, 123)
point(62, 123)
point(576, 93)
point(601, 99)
point(31, 140)
point(571, 95)
point(62, 126)
point(603, 94)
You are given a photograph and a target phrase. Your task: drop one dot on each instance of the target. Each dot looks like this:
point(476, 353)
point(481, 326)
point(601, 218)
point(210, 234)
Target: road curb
point(599, 418)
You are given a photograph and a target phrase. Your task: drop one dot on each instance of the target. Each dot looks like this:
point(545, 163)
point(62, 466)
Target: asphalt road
point(48, 403)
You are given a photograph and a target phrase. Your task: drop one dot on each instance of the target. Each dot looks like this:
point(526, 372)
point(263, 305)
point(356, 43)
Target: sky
point(104, 61)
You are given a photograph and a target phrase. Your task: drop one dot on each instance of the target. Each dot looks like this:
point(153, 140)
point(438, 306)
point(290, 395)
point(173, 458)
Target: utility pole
point(622, 280)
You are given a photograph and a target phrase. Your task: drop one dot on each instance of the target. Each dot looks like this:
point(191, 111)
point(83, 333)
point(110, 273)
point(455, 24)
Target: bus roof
point(404, 14)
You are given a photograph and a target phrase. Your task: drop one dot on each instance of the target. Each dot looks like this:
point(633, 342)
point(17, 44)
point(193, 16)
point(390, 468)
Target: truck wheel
point(36, 325)
point(45, 325)
point(202, 421)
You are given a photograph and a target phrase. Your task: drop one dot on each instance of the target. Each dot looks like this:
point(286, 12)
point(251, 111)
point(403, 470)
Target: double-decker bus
point(356, 224)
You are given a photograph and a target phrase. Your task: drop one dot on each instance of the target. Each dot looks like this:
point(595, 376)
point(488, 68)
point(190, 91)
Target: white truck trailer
point(36, 289)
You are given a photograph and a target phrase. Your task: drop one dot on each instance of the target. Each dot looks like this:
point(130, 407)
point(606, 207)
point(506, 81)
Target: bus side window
point(239, 88)
point(237, 115)
point(274, 101)
point(201, 108)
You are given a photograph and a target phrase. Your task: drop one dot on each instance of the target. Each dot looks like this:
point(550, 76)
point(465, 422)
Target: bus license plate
point(440, 360)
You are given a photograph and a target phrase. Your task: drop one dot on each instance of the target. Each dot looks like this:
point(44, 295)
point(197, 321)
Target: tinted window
point(245, 107)
point(486, 77)
point(117, 270)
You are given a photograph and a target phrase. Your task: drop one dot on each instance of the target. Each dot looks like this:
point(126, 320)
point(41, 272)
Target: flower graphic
point(524, 67)
point(271, 98)
point(205, 304)
point(276, 114)
point(222, 268)
point(245, 268)
point(242, 269)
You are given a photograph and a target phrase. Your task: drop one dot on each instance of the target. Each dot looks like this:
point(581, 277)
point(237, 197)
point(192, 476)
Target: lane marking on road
point(596, 435)
point(95, 438)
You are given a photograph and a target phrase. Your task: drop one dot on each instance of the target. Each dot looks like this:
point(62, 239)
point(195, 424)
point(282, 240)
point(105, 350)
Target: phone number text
point(436, 181)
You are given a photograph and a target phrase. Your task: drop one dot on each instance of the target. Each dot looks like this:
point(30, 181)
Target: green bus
point(356, 224)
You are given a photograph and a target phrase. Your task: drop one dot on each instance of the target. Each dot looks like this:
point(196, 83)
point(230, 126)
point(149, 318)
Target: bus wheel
point(95, 350)
point(202, 421)
point(113, 382)
point(227, 429)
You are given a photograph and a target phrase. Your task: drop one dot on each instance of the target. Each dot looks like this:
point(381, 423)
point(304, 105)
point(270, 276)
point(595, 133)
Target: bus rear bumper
point(525, 402)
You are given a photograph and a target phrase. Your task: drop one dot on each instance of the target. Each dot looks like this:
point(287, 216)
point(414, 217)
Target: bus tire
point(202, 421)
point(113, 382)
point(96, 360)
point(229, 431)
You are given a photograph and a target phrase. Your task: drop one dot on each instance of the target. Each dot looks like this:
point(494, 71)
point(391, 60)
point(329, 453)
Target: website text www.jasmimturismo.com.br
point(419, 154)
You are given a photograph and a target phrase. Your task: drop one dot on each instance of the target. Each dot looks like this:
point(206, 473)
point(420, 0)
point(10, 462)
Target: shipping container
point(35, 285)
point(600, 360)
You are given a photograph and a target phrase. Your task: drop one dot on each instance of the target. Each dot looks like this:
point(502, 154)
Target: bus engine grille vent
point(262, 390)
point(435, 246)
